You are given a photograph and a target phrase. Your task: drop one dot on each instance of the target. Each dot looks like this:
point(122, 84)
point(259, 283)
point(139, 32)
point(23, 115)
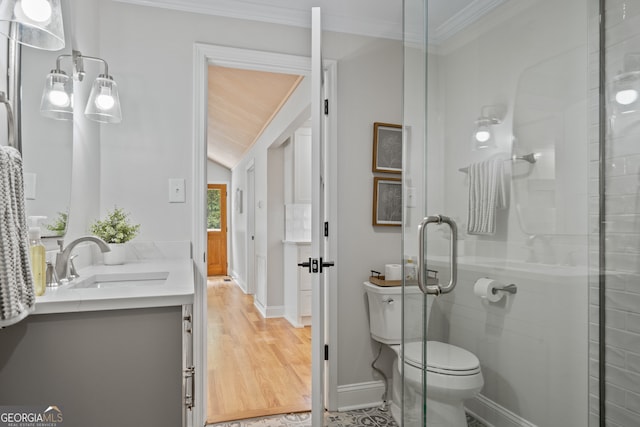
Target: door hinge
point(326, 107)
point(326, 352)
point(190, 375)
point(326, 229)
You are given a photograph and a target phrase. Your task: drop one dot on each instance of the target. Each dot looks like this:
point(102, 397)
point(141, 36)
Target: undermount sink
point(121, 280)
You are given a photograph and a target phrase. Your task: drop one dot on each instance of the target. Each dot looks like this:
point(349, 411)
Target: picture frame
point(387, 201)
point(387, 148)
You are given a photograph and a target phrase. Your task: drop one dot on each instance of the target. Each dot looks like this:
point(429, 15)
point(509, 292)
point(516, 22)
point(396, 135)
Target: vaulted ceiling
point(241, 105)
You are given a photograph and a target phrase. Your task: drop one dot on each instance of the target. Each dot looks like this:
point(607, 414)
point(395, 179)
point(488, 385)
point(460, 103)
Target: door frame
point(203, 56)
point(250, 255)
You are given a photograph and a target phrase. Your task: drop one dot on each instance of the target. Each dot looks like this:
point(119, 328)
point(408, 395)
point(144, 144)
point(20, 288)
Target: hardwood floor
point(256, 366)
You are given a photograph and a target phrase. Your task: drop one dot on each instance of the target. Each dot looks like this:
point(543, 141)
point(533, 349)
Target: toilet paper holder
point(512, 289)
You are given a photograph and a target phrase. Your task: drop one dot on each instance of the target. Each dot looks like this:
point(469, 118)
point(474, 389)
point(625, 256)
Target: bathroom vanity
point(107, 350)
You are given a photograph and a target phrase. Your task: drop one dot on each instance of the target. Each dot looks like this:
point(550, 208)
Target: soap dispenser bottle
point(410, 270)
point(37, 252)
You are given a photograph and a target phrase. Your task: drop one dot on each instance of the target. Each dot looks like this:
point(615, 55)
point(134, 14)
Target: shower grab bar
point(436, 289)
point(529, 158)
point(11, 130)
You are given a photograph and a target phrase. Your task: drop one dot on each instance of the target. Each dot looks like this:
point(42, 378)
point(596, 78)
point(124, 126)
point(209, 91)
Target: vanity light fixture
point(626, 85)
point(57, 99)
point(35, 23)
point(490, 115)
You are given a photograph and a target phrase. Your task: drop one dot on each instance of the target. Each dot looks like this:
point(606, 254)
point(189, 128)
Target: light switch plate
point(176, 190)
point(30, 186)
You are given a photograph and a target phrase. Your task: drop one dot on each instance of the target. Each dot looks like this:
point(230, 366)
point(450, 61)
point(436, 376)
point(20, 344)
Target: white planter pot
point(116, 256)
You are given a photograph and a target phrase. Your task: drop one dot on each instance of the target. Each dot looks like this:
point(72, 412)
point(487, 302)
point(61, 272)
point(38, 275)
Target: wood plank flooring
point(256, 366)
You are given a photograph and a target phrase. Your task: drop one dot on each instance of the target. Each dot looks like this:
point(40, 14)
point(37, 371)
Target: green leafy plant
point(115, 228)
point(59, 225)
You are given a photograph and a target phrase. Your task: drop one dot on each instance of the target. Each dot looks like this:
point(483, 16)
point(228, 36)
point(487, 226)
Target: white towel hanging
point(487, 194)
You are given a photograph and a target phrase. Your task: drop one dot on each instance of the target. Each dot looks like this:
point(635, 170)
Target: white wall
point(216, 173)
point(275, 229)
point(524, 342)
point(294, 112)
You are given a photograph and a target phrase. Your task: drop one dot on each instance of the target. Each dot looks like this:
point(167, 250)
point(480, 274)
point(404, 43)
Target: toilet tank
point(385, 313)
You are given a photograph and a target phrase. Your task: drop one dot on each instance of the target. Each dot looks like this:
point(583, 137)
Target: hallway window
point(213, 209)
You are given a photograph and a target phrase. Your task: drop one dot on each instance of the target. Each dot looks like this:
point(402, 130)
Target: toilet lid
point(442, 358)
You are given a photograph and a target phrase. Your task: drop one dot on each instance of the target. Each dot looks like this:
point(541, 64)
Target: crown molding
point(297, 17)
point(467, 16)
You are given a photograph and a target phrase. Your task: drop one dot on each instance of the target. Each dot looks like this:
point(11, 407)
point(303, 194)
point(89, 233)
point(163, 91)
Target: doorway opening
point(205, 55)
point(259, 362)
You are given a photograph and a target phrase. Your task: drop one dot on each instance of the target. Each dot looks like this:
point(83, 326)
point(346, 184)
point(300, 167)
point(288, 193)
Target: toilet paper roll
point(485, 288)
point(393, 272)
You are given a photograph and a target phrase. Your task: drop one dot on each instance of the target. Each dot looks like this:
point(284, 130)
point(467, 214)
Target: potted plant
point(59, 225)
point(116, 230)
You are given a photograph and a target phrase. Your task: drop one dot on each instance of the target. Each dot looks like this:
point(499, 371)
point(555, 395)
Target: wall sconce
point(57, 98)
point(625, 86)
point(35, 23)
point(483, 134)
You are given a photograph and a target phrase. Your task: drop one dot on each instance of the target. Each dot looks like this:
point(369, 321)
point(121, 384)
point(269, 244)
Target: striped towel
point(17, 295)
point(487, 194)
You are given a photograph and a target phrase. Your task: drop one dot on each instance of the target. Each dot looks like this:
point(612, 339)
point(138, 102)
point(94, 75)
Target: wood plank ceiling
point(241, 105)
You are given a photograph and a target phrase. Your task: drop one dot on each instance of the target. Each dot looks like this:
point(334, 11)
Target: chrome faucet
point(63, 258)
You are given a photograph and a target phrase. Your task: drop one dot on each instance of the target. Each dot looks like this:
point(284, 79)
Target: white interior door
point(318, 263)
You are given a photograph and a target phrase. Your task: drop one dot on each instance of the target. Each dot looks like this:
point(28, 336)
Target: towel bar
point(529, 158)
point(10, 123)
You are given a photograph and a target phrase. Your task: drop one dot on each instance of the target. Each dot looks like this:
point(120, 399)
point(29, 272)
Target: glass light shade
point(35, 23)
point(482, 135)
point(104, 103)
point(625, 91)
point(57, 97)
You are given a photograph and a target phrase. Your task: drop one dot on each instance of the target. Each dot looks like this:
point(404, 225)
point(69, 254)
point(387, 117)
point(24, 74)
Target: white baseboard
point(275, 311)
point(269, 312)
point(239, 281)
point(360, 395)
point(494, 415)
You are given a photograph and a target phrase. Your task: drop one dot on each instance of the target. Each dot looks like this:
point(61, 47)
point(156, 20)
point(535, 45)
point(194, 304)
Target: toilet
point(453, 374)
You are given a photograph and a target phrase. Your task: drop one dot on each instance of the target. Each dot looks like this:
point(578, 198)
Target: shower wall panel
point(622, 228)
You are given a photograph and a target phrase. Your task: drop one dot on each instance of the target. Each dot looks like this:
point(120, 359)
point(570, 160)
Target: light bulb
point(105, 101)
point(482, 135)
point(626, 96)
point(36, 10)
point(58, 96)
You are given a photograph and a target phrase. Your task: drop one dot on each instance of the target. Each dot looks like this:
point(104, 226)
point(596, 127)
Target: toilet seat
point(442, 358)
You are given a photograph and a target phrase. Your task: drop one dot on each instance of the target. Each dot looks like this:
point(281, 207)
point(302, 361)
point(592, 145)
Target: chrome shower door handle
point(421, 267)
point(453, 254)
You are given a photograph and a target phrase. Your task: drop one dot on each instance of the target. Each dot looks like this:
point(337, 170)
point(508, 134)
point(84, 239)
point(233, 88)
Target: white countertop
point(177, 289)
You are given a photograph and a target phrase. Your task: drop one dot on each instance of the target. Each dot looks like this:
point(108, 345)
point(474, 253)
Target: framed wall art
point(387, 201)
point(387, 148)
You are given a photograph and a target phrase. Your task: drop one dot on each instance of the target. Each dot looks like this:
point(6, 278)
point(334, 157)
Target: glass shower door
point(496, 139)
